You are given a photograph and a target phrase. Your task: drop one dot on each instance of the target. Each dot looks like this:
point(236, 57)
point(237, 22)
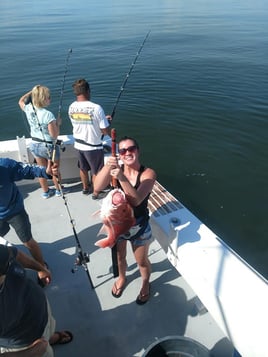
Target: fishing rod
point(63, 81)
point(29, 99)
point(113, 149)
point(114, 185)
point(128, 74)
point(82, 257)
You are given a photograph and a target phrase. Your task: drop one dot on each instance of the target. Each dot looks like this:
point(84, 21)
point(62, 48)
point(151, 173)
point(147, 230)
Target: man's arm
point(20, 171)
point(29, 263)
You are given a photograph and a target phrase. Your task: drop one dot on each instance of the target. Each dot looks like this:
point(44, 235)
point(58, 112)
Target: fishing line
point(63, 81)
point(128, 75)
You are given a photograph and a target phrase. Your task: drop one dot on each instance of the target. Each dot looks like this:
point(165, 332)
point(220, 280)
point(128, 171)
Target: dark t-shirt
point(23, 308)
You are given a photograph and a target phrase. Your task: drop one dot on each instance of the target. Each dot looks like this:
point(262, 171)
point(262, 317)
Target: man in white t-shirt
point(89, 124)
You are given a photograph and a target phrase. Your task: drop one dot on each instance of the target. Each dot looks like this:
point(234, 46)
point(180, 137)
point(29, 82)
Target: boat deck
point(103, 325)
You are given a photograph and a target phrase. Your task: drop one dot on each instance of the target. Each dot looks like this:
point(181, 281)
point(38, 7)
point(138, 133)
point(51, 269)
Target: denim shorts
point(44, 150)
point(21, 224)
point(139, 239)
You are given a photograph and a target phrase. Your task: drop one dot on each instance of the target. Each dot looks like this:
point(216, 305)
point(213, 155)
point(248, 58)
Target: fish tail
point(104, 243)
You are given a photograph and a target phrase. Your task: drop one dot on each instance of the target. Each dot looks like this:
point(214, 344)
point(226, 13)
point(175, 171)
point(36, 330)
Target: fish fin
point(104, 243)
point(103, 230)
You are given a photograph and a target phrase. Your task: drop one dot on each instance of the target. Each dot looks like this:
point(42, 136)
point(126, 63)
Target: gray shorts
point(21, 224)
point(44, 150)
point(92, 160)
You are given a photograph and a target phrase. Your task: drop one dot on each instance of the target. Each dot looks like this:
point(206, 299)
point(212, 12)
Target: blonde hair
point(40, 96)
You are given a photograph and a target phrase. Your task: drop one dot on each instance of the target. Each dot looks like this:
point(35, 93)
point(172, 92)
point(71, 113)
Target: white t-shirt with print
point(88, 119)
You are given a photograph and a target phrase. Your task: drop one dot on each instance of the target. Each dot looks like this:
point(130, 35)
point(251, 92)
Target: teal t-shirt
point(38, 120)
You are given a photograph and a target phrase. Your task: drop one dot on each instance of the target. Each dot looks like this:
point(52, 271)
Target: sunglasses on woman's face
point(130, 149)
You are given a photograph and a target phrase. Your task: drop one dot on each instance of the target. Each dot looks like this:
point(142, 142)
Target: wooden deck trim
point(162, 202)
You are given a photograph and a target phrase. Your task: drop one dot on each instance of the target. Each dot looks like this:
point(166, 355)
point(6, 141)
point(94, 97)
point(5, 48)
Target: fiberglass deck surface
point(102, 325)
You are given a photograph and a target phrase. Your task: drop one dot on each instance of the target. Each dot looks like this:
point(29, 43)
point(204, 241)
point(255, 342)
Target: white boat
point(202, 292)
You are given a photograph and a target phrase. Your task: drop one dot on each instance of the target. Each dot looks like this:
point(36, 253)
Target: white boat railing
point(232, 291)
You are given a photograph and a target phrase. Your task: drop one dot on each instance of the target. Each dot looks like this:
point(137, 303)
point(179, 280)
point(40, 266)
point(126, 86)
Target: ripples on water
point(196, 99)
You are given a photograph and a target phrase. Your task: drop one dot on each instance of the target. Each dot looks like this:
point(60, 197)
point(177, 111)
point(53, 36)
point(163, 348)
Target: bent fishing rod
point(128, 75)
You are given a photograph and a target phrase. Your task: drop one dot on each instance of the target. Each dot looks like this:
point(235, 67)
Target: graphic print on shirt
point(82, 116)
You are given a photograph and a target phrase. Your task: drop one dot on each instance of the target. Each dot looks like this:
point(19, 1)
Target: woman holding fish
point(136, 182)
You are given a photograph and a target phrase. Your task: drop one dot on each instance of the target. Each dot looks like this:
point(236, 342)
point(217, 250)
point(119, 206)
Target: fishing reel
point(81, 259)
point(61, 145)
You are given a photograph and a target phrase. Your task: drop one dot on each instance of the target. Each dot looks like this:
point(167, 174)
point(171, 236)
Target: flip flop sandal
point(63, 338)
point(118, 291)
point(143, 298)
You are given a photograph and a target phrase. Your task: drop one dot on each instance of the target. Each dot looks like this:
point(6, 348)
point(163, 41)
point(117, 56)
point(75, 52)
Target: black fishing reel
point(61, 145)
point(81, 259)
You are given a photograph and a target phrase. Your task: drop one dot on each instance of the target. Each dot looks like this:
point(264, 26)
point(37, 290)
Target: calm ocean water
point(197, 98)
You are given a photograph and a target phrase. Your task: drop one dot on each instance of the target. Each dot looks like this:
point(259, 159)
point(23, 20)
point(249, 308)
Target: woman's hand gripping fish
point(117, 216)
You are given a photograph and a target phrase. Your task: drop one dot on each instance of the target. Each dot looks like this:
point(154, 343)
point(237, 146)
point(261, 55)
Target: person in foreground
point(45, 129)
point(27, 328)
point(89, 124)
point(137, 182)
point(12, 211)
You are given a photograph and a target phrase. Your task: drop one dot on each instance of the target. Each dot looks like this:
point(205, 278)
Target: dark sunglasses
point(129, 149)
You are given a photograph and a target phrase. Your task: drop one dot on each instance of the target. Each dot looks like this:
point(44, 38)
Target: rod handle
point(113, 136)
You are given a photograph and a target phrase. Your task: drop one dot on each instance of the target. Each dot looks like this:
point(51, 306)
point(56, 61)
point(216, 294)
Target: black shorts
point(92, 160)
point(21, 224)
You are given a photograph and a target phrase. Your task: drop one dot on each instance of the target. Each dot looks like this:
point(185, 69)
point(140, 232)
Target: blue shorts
point(92, 160)
point(21, 224)
point(44, 150)
point(142, 237)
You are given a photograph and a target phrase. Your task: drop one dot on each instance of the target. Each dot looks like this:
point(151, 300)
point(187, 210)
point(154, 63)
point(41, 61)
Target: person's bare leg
point(57, 180)
point(43, 181)
point(141, 256)
point(84, 179)
point(94, 191)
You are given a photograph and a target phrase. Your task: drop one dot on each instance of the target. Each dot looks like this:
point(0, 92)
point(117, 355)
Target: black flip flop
point(142, 299)
point(63, 338)
point(119, 291)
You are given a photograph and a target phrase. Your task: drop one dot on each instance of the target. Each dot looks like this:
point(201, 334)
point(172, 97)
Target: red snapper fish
point(117, 217)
